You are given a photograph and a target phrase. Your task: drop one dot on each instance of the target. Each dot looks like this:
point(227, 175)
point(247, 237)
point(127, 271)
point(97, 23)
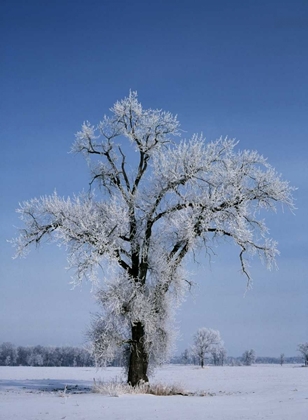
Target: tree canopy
point(158, 198)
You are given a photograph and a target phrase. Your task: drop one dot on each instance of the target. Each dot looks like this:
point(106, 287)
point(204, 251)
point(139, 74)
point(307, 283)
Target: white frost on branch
point(148, 215)
point(90, 230)
point(205, 340)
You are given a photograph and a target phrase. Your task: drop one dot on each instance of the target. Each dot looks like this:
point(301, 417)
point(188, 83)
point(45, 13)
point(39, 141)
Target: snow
point(256, 392)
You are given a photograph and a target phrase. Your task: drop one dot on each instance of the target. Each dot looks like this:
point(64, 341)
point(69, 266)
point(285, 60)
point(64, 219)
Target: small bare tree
point(282, 359)
point(204, 341)
point(303, 348)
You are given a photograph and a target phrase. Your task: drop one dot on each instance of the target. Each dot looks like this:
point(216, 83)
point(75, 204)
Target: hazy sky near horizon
point(226, 68)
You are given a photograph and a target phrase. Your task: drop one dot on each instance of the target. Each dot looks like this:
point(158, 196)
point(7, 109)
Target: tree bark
point(138, 359)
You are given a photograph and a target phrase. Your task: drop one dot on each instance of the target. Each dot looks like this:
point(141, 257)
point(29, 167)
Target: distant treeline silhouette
point(235, 361)
point(11, 355)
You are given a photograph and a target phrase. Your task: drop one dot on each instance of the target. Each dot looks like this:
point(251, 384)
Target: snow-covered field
point(256, 392)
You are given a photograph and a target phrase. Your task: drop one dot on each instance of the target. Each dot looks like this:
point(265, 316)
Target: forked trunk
point(138, 359)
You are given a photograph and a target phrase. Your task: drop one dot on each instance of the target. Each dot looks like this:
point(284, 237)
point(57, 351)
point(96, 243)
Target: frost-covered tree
point(219, 355)
point(185, 357)
point(282, 359)
point(158, 201)
point(205, 340)
point(22, 355)
point(8, 354)
point(249, 357)
point(303, 348)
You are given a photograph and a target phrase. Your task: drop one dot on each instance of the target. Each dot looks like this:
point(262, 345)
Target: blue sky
point(236, 68)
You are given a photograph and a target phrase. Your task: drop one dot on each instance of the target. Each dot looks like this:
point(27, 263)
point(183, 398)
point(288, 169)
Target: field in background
point(239, 392)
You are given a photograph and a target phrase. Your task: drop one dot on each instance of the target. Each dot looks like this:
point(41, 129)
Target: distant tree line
point(186, 358)
point(11, 355)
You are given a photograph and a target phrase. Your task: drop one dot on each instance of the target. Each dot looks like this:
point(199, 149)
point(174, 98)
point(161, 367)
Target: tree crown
point(153, 206)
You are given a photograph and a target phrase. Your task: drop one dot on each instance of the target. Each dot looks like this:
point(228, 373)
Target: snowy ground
point(256, 392)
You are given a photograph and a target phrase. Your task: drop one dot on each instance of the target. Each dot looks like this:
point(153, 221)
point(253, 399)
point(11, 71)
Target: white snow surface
point(255, 392)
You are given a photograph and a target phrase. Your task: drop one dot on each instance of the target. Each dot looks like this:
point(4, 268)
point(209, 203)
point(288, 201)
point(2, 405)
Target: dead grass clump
point(115, 388)
point(165, 390)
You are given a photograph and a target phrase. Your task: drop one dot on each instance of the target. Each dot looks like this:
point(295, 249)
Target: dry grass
point(115, 388)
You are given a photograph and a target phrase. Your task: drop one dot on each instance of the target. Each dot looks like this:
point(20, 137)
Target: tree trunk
point(202, 361)
point(138, 359)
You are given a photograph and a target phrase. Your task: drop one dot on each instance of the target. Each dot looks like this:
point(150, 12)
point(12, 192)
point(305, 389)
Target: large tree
point(158, 200)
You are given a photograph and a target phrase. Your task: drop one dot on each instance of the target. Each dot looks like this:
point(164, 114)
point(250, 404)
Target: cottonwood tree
point(158, 201)
point(205, 340)
point(303, 348)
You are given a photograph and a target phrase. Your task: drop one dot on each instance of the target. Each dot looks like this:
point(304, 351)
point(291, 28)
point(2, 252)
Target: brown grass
point(115, 388)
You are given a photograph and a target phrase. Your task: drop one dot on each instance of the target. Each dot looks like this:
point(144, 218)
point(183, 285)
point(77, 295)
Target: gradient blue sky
point(236, 68)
